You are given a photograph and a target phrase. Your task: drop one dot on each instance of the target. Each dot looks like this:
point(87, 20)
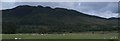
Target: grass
point(60, 36)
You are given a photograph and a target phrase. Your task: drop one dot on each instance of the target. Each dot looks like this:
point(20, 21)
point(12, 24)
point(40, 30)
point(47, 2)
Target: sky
point(101, 9)
point(59, 0)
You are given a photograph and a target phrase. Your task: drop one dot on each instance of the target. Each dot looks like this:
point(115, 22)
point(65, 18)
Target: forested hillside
point(38, 19)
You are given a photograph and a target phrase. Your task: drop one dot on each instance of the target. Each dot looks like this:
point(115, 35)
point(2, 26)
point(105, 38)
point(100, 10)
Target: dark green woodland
point(38, 19)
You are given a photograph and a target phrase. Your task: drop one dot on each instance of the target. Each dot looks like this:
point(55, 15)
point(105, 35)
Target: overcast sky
point(102, 9)
point(59, 0)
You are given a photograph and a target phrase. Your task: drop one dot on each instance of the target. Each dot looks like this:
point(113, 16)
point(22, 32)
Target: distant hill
point(32, 19)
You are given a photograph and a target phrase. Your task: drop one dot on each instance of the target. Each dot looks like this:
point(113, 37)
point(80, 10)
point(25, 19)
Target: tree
point(8, 28)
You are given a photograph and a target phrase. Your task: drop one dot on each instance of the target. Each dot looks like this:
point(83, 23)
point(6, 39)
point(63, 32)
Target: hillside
point(38, 19)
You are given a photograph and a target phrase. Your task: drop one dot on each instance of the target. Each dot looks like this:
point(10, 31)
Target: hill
point(38, 19)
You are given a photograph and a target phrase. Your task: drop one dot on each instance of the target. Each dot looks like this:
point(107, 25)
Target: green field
point(60, 36)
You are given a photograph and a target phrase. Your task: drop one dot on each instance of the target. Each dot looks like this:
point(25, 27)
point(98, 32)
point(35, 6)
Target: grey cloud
point(51, 4)
point(103, 9)
point(113, 7)
point(7, 5)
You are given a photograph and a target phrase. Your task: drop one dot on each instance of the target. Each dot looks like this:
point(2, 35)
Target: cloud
point(106, 14)
point(102, 9)
point(7, 5)
point(66, 5)
point(59, 0)
point(8, 0)
point(51, 4)
point(0, 6)
point(113, 7)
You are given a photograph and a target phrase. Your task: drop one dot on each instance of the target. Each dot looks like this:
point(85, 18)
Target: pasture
point(60, 36)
